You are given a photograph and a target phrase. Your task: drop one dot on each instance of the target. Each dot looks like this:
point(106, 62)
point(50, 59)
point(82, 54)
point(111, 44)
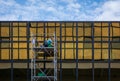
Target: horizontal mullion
point(115, 26)
point(13, 48)
point(63, 61)
point(83, 48)
point(65, 41)
point(20, 36)
point(20, 26)
point(15, 61)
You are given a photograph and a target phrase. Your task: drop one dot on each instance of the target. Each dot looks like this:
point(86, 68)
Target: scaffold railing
point(44, 57)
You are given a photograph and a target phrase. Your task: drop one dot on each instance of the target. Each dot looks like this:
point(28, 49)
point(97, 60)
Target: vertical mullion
point(1, 41)
point(112, 41)
point(44, 40)
point(10, 25)
point(18, 41)
point(101, 41)
point(9, 44)
point(47, 29)
point(77, 51)
point(37, 31)
point(73, 41)
point(28, 36)
point(109, 68)
point(83, 38)
point(119, 29)
point(55, 30)
point(60, 52)
point(65, 42)
point(92, 51)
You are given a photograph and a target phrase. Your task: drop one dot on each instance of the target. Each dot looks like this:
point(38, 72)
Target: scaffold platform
point(40, 71)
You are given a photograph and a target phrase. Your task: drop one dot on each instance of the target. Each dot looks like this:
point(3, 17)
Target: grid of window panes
point(81, 41)
point(17, 31)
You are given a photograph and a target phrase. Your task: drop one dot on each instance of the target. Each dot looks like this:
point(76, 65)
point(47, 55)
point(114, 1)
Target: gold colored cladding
point(5, 54)
point(4, 31)
point(69, 53)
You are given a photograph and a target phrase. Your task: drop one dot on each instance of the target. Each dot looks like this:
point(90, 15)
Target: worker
point(49, 42)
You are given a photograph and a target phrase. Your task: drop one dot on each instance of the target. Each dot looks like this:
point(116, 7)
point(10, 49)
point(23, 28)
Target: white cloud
point(63, 10)
point(109, 11)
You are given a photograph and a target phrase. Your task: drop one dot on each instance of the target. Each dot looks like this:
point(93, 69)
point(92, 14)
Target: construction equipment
point(44, 59)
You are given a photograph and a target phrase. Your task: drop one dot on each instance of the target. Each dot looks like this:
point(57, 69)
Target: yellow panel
point(23, 39)
point(4, 31)
point(74, 31)
point(116, 31)
point(22, 45)
point(104, 53)
point(97, 54)
point(33, 30)
point(51, 24)
point(5, 45)
point(104, 31)
point(80, 45)
point(63, 45)
point(105, 39)
point(80, 53)
point(15, 45)
point(57, 24)
point(69, 54)
point(87, 32)
point(111, 31)
point(4, 54)
point(15, 24)
point(58, 31)
point(15, 39)
point(80, 24)
point(22, 24)
point(69, 24)
point(104, 45)
point(63, 54)
point(22, 31)
point(15, 31)
point(87, 54)
point(97, 31)
point(115, 54)
point(80, 32)
point(63, 31)
point(87, 24)
point(40, 31)
point(79, 39)
point(33, 25)
point(87, 45)
point(40, 24)
point(68, 31)
point(5, 24)
point(97, 45)
point(69, 45)
point(97, 24)
point(105, 24)
point(15, 53)
point(115, 24)
point(30, 54)
point(68, 39)
point(51, 30)
point(23, 53)
point(97, 39)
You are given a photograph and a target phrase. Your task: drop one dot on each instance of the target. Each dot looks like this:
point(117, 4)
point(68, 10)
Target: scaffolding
point(44, 58)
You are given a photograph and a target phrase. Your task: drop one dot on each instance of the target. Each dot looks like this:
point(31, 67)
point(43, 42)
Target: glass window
point(5, 54)
point(4, 31)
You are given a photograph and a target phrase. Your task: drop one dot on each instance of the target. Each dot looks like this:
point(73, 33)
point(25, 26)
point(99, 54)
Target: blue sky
point(59, 10)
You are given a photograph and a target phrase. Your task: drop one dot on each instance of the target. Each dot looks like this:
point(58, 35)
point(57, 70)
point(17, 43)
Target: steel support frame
point(61, 60)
